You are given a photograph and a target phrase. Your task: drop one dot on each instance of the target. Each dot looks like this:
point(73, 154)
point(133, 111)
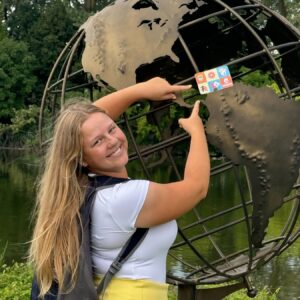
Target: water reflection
point(282, 272)
point(17, 179)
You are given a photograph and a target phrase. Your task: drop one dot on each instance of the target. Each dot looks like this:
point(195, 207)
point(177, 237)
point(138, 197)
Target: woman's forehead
point(95, 124)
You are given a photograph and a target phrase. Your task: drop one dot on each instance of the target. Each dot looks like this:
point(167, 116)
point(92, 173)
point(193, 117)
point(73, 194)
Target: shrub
point(15, 281)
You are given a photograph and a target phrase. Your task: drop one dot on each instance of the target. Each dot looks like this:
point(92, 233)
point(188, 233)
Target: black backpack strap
point(127, 250)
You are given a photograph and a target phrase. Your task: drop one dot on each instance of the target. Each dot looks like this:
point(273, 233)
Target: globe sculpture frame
point(266, 51)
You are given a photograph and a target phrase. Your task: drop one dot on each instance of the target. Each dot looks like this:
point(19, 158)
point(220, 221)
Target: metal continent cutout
point(110, 41)
point(254, 127)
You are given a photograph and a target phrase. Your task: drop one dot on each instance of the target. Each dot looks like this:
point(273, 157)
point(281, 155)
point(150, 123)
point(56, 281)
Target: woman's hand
point(158, 89)
point(194, 122)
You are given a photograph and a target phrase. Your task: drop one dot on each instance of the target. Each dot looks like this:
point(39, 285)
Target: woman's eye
point(112, 129)
point(97, 142)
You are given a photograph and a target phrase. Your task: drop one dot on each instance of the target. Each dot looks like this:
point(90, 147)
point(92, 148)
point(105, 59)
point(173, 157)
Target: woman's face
point(104, 146)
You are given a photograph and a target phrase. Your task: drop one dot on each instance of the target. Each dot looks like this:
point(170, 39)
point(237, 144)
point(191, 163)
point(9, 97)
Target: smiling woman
point(88, 144)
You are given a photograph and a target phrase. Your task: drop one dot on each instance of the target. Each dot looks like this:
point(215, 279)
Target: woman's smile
point(115, 152)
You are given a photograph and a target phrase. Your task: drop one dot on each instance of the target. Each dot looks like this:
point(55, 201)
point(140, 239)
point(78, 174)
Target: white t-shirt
point(113, 216)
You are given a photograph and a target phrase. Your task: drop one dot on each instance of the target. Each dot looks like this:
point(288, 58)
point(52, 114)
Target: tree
point(290, 9)
point(16, 77)
point(21, 18)
point(47, 37)
point(2, 32)
point(100, 4)
point(89, 6)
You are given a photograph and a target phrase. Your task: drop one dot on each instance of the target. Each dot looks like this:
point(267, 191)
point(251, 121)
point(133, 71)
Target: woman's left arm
point(155, 89)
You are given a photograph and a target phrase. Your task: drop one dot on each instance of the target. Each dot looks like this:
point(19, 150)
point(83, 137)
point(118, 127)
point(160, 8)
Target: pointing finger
point(195, 111)
point(178, 88)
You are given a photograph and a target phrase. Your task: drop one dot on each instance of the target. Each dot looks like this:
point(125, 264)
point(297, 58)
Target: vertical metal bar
point(64, 84)
point(186, 292)
point(48, 83)
point(138, 152)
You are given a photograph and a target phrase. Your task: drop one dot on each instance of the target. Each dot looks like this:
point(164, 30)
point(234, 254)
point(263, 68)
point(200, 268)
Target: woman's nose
point(111, 140)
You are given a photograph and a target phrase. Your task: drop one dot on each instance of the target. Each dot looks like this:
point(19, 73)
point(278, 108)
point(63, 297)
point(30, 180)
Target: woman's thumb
point(196, 108)
point(180, 122)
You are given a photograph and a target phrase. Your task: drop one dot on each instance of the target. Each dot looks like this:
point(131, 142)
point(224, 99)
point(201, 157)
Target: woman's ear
point(81, 161)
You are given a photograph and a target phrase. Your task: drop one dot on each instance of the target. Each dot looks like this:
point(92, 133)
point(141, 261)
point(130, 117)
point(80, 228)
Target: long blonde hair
point(55, 243)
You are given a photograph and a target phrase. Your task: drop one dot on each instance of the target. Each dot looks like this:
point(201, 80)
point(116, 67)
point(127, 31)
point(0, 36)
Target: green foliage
point(100, 4)
point(288, 8)
point(16, 79)
point(23, 128)
point(264, 294)
point(145, 131)
point(15, 281)
point(25, 120)
point(21, 18)
point(259, 79)
point(48, 36)
point(45, 26)
point(256, 78)
point(2, 32)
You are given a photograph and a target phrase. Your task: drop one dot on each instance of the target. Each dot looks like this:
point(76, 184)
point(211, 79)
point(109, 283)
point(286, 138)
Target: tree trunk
point(90, 5)
point(282, 8)
point(4, 10)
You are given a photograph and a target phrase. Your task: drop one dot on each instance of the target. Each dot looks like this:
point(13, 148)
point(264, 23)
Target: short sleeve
point(126, 201)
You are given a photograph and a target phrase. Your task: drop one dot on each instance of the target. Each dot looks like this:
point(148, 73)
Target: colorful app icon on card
point(213, 80)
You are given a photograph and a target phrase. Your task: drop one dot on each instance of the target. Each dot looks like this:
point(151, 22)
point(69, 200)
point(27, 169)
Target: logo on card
point(214, 80)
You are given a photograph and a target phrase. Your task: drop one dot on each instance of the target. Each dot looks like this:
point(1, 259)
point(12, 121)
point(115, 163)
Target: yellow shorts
point(128, 289)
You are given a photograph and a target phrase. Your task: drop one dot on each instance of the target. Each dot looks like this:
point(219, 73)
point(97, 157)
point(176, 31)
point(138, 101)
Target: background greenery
point(32, 34)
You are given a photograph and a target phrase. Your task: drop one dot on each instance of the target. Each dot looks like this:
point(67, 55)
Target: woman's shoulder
point(123, 201)
point(132, 186)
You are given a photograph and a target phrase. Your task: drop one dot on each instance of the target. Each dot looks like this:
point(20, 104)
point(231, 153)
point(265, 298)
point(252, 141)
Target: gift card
point(213, 80)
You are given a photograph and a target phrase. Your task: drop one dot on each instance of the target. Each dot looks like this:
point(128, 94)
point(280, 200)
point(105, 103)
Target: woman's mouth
point(115, 152)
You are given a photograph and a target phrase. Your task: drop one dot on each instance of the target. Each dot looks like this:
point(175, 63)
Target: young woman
point(87, 142)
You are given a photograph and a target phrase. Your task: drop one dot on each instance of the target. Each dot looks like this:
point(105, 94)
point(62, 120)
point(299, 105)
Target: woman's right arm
point(165, 202)
point(156, 89)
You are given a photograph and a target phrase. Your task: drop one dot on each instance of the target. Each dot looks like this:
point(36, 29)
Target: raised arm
point(165, 202)
point(155, 89)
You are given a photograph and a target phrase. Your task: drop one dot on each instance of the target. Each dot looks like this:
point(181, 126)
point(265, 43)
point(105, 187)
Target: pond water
point(18, 172)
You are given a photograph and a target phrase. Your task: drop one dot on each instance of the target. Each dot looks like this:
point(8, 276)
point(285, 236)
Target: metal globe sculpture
point(254, 133)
